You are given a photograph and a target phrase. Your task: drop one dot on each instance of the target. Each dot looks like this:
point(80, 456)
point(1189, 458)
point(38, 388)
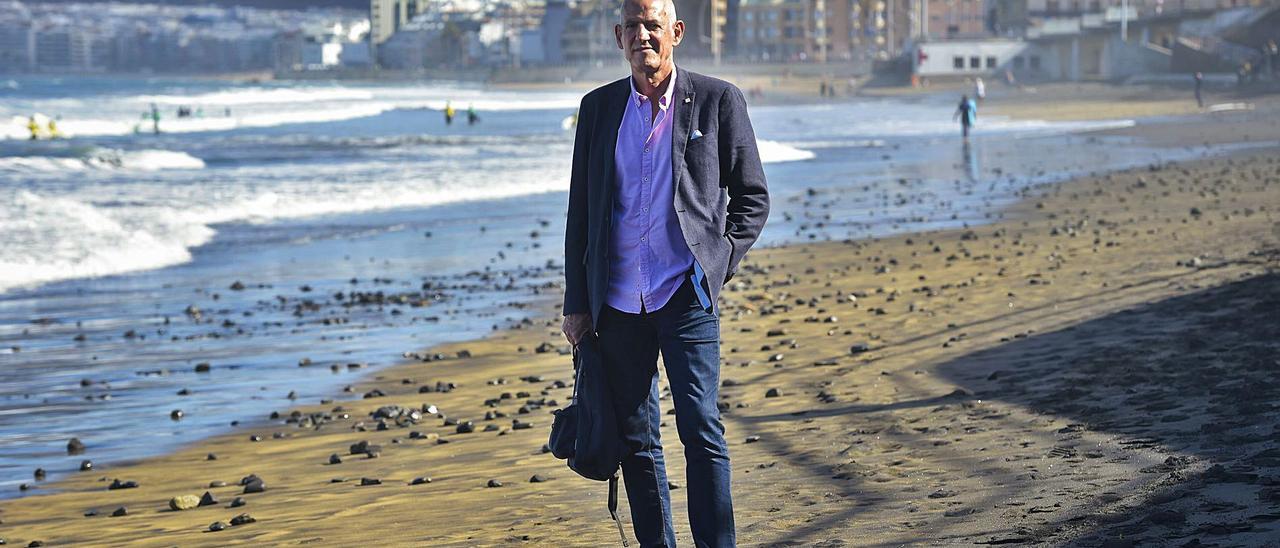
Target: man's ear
point(678, 31)
point(617, 36)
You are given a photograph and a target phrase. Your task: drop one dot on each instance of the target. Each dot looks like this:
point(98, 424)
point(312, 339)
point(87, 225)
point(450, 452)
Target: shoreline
point(471, 459)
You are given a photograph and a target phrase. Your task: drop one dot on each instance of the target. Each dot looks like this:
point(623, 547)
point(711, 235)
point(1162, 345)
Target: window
point(957, 62)
point(991, 62)
point(747, 16)
point(1019, 62)
point(1035, 62)
point(1051, 6)
point(975, 62)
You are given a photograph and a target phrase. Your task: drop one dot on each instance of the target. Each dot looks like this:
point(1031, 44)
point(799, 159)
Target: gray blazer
point(721, 198)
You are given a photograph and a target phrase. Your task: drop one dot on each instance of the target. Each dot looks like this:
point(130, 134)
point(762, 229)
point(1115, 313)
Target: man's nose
point(643, 34)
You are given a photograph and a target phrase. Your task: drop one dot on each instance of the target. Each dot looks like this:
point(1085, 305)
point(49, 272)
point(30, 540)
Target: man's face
point(648, 35)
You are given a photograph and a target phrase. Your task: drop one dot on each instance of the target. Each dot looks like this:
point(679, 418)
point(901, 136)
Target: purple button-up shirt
point(648, 255)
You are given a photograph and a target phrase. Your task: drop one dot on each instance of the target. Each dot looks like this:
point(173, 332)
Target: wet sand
point(1096, 368)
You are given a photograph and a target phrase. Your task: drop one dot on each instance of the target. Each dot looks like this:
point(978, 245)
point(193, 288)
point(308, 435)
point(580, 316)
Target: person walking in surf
point(967, 112)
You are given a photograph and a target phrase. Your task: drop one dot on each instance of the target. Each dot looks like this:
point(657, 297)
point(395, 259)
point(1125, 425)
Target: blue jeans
point(688, 336)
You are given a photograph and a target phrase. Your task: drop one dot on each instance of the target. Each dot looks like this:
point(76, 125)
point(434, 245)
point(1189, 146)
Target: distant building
point(950, 19)
point(17, 46)
point(64, 49)
point(387, 17)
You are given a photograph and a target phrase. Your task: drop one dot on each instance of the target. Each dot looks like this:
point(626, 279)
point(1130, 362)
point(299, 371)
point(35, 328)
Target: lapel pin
point(687, 100)
point(695, 135)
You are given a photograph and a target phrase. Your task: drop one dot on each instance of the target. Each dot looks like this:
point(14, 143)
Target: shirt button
point(642, 238)
point(646, 149)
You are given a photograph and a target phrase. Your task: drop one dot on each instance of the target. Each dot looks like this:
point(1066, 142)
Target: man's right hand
point(576, 326)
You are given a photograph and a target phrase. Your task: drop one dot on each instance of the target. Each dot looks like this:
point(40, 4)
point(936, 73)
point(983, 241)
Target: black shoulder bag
point(586, 432)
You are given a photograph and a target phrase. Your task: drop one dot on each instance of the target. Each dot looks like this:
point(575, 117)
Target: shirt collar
point(639, 99)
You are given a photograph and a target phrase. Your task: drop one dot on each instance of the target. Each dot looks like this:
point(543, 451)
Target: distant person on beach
point(979, 89)
point(472, 117)
point(53, 129)
point(649, 241)
point(1199, 84)
point(967, 112)
point(448, 113)
point(33, 127)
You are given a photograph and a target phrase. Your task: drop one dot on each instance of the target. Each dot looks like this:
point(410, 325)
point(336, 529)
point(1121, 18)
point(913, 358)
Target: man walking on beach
point(1199, 85)
point(967, 112)
point(667, 193)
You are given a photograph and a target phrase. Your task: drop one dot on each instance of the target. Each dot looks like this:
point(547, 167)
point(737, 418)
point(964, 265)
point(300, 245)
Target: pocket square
point(695, 135)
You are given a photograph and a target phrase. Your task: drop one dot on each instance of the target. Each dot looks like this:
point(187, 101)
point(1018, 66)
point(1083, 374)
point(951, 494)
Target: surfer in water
point(33, 127)
point(472, 117)
point(448, 113)
point(155, 119)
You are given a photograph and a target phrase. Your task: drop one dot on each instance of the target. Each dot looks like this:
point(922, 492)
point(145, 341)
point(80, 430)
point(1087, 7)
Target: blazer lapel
point(612, 120)
point(683, 111)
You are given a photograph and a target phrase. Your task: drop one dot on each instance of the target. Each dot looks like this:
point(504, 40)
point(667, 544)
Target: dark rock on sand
point(494, 483)
point(75, 446)
point(359, 447)
point(242, 519)
point(217, 526)
point(208, 499)
point(772, 393)
point(420, 481)
point(39, 474)
point(466, 427)
point(217, 483)
point(335, 459)
point(539, 478)
point(121, 511)
point(117, 484)
point(370, 481)
point(237, 502)
point(176, 414)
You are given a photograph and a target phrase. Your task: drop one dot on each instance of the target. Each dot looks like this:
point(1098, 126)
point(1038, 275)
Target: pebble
point(121, 511)
point(420, 481)
point(237, 502)
point(217, 526)
point(242, 519)
point(176, 415)
point(75, 446)
point(217, 483)
point(752, 439)
point(86, 465)
point(494, 483)
point(183, 502)
point(539, 478)
point(370, 481)
point(211, 456)
point(335, 459)
point(117, 484)
point(466, 427)
point(772, 393)
point(208, 499)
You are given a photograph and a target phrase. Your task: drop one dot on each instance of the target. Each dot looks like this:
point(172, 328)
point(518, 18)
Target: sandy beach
point(1092, 368)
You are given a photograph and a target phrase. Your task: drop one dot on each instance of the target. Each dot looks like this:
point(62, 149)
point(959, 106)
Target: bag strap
point(577, 375)
point(613, 508)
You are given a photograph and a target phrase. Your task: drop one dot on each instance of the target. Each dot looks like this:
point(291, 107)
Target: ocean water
point(329, 224)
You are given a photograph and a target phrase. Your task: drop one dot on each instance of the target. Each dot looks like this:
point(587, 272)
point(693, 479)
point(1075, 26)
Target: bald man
point(666, 196)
